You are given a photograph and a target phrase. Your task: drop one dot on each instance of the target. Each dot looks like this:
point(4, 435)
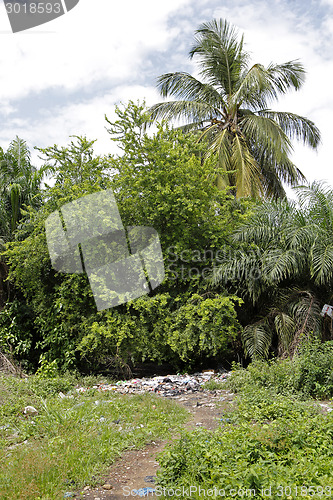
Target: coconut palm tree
point(230, 109)
point(284, 269)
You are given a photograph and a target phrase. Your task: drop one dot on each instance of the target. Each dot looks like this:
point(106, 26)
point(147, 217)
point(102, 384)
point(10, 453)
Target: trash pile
point(170, 385)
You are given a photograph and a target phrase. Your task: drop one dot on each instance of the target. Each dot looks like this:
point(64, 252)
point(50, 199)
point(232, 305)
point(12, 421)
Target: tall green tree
point(159, 181)
point(284, 270)
point(230, 106)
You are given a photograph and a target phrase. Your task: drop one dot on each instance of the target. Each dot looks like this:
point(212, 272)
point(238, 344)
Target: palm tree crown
point(231, 109)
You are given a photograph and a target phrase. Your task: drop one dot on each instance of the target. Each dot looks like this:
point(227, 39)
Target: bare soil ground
point(137, 468)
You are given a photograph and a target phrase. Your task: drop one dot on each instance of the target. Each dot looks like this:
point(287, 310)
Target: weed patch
point(71, 440)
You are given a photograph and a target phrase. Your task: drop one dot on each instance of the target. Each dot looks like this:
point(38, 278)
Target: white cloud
point(96, 40)
point(87, 118)
point(61, 78)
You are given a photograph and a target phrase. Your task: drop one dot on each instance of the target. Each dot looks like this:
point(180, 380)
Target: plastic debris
point(150, 479)
point(170, 385)
point(327, 310)
point(30, 410)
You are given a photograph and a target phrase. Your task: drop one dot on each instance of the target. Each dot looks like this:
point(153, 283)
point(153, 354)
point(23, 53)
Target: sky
point(62, 78)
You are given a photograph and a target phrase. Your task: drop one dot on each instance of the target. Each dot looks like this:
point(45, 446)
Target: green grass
point(214, 385)
point(71, 441)
point(267, 441)
point(275, 442)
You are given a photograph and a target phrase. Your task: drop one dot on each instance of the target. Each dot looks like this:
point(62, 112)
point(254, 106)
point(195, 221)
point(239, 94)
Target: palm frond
point(264, 227)
point(255, 89)
point(285, 327)
point(317, 199)
point(305, 309)
point(287, 75)
point(279, 264)
point(222, 147)
point(322, 262)
point(272, 184)
point(248, 178)
point(185, 87)
point(221, 54)
point(257, 339)
point(194, 111)
point(299, 235)
point(266, 132)
point(295, 126)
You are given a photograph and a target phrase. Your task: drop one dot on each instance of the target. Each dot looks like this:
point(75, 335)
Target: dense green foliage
point(240, 275)
point(162, 181)
point(267, 445)
point(272, 442)
point(183, 331)
point(231, 108)
point(309, 374)
point(283, 269)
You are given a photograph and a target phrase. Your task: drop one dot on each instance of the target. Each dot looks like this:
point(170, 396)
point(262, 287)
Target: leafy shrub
point(163, 329)
point(268, 443)
point(315, 369)
point(309, 374)
point(47, 369)
point(277, 375)
point(16, 331)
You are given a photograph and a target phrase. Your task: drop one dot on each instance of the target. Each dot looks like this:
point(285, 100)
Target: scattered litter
point(30, 410)
point(150, 479)
point(326, 407)
point(107, 487)
point(170, 385)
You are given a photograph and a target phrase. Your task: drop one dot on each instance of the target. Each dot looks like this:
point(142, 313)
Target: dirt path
point(137, 468)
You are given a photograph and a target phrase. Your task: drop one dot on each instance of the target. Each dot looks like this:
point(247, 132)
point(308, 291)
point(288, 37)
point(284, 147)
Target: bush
point(179, 331)
point(314, 373)
point(277, 375)
point(309, 374)
point(268, 443)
